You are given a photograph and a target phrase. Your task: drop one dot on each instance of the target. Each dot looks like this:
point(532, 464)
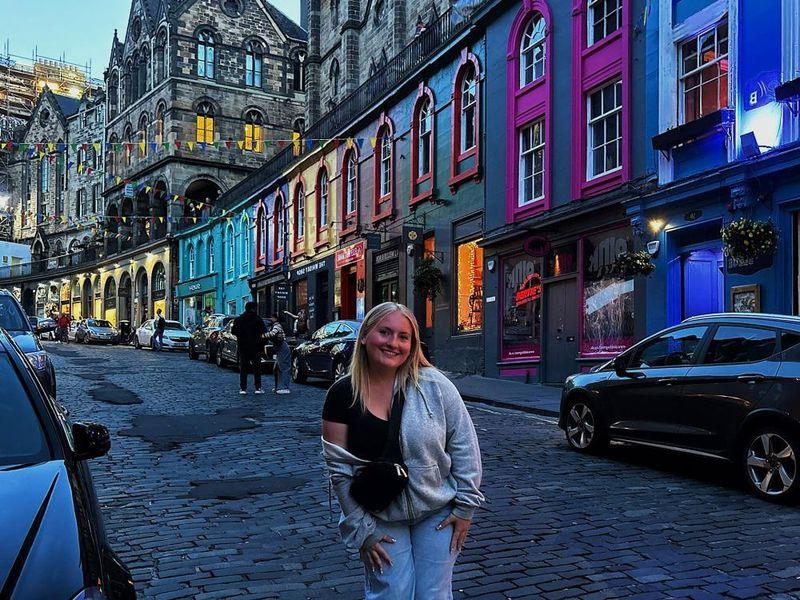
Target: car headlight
point(38, 360)
point(92, 593)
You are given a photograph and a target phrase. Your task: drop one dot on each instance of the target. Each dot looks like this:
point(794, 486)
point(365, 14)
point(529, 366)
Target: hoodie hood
point(40, 556)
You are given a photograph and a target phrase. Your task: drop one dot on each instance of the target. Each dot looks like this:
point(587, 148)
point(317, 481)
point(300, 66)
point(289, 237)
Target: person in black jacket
point(160, 325)
point(250, 330)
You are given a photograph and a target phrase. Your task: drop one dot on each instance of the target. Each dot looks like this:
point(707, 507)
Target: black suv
point(205, 339)
point(724, 386)
point(54, 544)
point(26, 331)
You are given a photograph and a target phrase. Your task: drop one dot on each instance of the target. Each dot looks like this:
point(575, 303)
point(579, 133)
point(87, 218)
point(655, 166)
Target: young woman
point(410, 547)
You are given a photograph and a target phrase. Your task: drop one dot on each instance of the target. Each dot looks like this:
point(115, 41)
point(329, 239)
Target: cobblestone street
point(208, 494)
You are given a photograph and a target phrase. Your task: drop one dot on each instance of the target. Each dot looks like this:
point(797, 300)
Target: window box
point(689, 132)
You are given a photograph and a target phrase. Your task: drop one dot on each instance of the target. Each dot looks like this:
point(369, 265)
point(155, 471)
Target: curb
point(511, 405)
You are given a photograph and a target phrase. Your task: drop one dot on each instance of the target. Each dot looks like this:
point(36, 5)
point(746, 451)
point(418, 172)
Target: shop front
point(196, 297)
point(311, 295)
point(271, 292)
point(66, 297)
point(350, 275)
point(386, 274)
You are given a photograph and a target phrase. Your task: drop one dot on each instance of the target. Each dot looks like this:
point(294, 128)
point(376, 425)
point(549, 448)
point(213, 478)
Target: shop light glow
point(656, 225)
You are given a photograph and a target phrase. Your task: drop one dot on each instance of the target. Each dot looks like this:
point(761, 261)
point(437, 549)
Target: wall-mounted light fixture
point(656, 225)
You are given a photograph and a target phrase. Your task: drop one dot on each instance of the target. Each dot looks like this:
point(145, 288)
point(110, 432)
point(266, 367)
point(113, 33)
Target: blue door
point(703, 283)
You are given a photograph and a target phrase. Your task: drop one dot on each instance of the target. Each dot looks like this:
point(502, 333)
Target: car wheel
point(298, 370)
point(584, 430)
point(192, 353)
point(339, 370)
point(770, 463)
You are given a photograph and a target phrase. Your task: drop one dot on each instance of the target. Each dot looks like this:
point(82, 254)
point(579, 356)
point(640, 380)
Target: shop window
point(562, 261)
point(522, 308)
point(607, 298)
point(605, 17)
point(301, 295)
point(469, 287)
point(430, 250)
point(703, 64)
point(605, 130)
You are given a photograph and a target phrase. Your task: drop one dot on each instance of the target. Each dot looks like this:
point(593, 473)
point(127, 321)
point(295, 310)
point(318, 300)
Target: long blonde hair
point(407, 373)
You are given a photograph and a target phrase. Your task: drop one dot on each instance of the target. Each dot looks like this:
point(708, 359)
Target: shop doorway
point(321, 315)
point(697, 283)
point(561, 341)
point(349, 291)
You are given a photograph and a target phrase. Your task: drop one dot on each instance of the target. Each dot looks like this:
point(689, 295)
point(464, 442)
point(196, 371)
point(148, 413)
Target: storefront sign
point(273, 279)
point(196, 287)
point(693, 215)
point(747, 266)
point(129, 191)
point(306, 269)
point(412, 235)
point(282, 292)
point(760, 90)
point(383, 257)
point(351, 254)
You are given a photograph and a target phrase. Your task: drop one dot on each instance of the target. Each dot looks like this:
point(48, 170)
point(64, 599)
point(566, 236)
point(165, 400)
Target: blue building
point(215, 262)
point(721, 77)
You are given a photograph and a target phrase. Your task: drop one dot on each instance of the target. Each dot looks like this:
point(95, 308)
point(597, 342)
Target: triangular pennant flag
point(373, 141)
point(147, 189)
point(296, 143)
point(191, 146)
point(97, 147)
point(119, 179)
point(142, 148)
point(178, 145)
point(153, 146)
point(229, 144)
point(165, 145)
point(161, 219)
point(118, 147)
point(240, 143)
point(70, 164)
point(52, 147)
point(360, 143)
point(309, 144)
point(203, 146)
point(281, 144)
point(349, 142)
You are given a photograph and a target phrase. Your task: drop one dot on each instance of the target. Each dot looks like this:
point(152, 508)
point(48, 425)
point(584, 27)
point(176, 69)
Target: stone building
point(197, 92)
point(349, 40)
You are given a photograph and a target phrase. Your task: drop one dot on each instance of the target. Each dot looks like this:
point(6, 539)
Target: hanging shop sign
point(351, 254)
point(760, 90)
point(373, 241)
point(412, 235)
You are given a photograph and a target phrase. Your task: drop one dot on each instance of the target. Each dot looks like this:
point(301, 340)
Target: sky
point(80, 31)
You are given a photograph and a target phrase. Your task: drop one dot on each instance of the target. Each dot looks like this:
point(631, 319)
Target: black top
point(249, 330)
point(161, 324)
point(366, 433)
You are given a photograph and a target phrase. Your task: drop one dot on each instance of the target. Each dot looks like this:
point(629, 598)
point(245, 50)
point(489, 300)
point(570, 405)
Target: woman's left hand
point(460, 529)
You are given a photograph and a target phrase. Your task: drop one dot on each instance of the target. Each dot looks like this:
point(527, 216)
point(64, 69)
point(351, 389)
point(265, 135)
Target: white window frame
point(386, 165)
point(245, 245)
point(591, 6)
point(469, 110)
point(300, 212)
point(424, 138)
point(528, 156)
point(231, 250)
point(606, 114)
point(323, 200)
point(191, 262)
point(533, 39)
point(698, 70)
point(350, 192)
point(211, 255)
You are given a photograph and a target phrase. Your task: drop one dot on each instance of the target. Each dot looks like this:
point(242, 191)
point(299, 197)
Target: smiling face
point(388, 344)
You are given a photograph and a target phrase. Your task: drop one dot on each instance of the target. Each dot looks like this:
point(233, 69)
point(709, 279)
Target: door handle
point(668, 380)
point(752, 378)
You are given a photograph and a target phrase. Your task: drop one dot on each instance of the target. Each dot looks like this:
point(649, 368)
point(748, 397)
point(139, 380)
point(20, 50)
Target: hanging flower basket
point(631, 264)
point(748, 238)
point(428, 278)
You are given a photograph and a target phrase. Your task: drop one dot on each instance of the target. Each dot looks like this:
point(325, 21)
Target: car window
point(11, 316)
point(736, 344)
point(22, 439)
point(675, 348)
point(98, 323)
point(174, 325)
point(789, 340)
point(343, 330)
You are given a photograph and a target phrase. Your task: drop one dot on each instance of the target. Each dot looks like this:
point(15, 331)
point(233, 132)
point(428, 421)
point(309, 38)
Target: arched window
point(161, 57)
point(278, 228)
point(111, 155)
point(466, 121)
point(144, 122)
point(128, 83)
point(532, 51)
point(299, 126)
point(200, 253)
point(253, 61)
point(253, 131)
point(349, 190)
point(128, 145)
point(422, 146)
point(159, 125)
point(245, 263)
point(135, 78)
point(113, 94)
point(191, 262)
point(322, 203)
point(159, 281)
point(299, 75)
point(333, 78)
point(299, 214)
point(205, 54)
point(144, 67)
point(468, 111)
point(205, 122)
point(261, 237)
point(231, 250)
point(211, 265)
point(384, 166)
point(81, 155)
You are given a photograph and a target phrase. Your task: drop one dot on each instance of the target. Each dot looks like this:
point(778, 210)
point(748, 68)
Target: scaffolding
point(22, 79)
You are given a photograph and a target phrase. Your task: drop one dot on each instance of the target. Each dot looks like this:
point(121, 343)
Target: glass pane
point(740, 345)
point(469, 268)
point(671, 349)
point(522, 307)
point(595, 105)
point(22, 440)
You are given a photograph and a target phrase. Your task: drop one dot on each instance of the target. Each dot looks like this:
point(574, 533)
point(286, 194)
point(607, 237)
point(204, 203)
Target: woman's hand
point(376, 555)
point(460, 529)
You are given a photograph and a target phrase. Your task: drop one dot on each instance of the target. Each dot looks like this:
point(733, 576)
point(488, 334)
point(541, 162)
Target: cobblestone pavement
point(208, 494)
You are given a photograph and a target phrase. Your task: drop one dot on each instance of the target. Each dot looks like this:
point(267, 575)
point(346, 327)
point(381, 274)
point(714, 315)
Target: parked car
point(205, 339)
point(97, 331)
point(176, 336)
point(723, 386)
point(72, 330)
point(327, 354)
point(25, 331)
point(54, 542)
point(47, 326)
point(228, 348)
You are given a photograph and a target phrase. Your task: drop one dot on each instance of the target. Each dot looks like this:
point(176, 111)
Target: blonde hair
point(407, 373)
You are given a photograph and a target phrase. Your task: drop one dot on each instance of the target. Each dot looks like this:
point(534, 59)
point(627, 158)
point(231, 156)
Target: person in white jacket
point(409, 548)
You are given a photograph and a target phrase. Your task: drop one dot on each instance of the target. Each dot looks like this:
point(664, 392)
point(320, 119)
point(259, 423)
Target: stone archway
point(110, 301)
point(87, 308)
point(158, 210)
point(125, 301)
point(201, 195)
point(112, 228)
point(141, 301)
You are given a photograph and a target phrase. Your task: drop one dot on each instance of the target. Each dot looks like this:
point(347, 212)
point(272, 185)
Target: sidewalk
point(529, 397)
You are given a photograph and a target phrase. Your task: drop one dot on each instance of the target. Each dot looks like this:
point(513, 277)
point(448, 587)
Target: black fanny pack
point(376, 485)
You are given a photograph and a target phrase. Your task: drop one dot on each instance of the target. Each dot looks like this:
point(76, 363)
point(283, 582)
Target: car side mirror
point(91, 440)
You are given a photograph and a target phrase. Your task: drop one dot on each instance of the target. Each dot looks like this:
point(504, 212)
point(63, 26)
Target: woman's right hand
point(376, 555)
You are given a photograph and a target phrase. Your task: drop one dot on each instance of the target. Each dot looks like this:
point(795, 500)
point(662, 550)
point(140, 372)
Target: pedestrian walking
point(250, 333)
point(403, 459)
point(158, 337)
point(63, 328)
point(282, 354)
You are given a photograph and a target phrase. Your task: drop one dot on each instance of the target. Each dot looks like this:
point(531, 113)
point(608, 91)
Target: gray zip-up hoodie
point(439, 448)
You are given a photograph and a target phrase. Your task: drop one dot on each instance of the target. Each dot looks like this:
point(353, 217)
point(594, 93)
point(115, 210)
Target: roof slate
point(289, 27)
point(69, 106)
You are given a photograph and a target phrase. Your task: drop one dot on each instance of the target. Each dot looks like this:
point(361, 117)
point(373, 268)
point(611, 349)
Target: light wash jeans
point(422, 566)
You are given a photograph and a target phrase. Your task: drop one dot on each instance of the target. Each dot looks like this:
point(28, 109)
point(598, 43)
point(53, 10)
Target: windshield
point(175, 326)
point(98, 323)
point(11, 316)
point(22, 440)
